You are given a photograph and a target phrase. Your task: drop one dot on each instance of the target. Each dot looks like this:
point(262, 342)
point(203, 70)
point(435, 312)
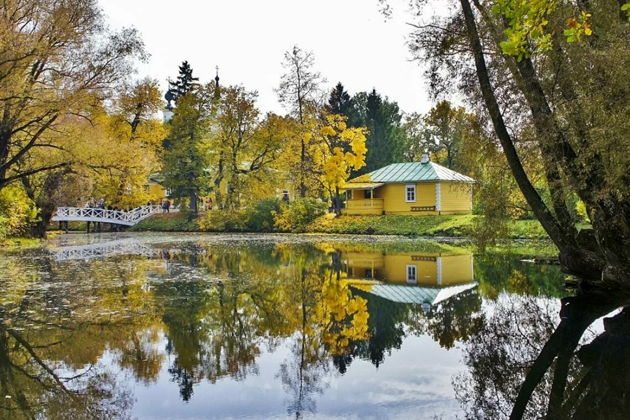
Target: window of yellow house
point(410, 193)
point(349, 195)
point(412, 274)
point(368, 193)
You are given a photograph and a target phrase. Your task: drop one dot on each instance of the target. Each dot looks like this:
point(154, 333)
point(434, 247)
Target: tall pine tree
point(185, 82)
point(339, 101)
point(185, 160)
point(386, 136)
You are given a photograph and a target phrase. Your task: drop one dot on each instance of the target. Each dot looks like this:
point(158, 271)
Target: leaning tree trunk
point(575, 259)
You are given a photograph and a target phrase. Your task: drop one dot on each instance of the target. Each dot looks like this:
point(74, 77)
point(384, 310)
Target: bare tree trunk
point(303, 170)
point(337, 202)
point(218, 196)
point(194, 207)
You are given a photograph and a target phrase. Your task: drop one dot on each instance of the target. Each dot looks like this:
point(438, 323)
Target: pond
point(248, 326)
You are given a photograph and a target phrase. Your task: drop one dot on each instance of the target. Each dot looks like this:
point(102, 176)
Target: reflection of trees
point(386, 330)
point(498, 356)
point(504, 272)
point(219, 306)
point(141, 355)
point(326, 318)
point(522, 365)
point(215, 328)
point(603, 388)
point(456, 319)
point(54, 331)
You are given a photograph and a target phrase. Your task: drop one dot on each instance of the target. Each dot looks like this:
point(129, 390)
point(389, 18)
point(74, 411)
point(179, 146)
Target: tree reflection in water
point(53, 333)
point(524, 364)
point(206, 313)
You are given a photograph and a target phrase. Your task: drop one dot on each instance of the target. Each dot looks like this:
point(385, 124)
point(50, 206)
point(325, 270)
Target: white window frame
point(370, 193)
point(407, 188)
point(408, 269)
point(348, 194)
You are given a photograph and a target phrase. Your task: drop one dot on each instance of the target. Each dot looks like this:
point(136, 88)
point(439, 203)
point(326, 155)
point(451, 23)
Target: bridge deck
point(89, 214)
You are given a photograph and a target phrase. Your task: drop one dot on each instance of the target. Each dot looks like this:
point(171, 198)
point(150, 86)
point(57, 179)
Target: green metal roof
point(412, 172)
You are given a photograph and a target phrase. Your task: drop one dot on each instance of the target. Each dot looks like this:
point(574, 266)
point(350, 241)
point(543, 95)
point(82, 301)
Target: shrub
point(223, 221)
point(167, 222)
point(260, 218)
point(298, 214)
point(17, 212)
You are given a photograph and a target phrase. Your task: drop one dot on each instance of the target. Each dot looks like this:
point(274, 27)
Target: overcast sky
point(350, 39)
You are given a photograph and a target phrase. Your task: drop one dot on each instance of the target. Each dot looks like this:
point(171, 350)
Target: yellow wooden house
point(154, 188)
point(409, 188)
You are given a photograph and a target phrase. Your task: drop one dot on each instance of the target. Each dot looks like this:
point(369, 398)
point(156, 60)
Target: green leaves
point(527, 21)
point(528, 31)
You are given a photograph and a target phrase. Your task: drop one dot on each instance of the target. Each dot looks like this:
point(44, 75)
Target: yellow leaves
point(327, 131)
point(587, 29)
point(576, 27)
point(339, 150)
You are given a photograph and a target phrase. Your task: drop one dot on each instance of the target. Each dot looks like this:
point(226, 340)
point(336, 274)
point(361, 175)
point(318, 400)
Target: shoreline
point(526, 248)
point(448, 226)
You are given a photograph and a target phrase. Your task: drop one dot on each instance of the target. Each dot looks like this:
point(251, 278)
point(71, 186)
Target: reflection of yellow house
point(410, 277)
point(410, 268)
point(409, 188)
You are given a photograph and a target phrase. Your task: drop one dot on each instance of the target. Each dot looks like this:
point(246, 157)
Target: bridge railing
point(99, 214)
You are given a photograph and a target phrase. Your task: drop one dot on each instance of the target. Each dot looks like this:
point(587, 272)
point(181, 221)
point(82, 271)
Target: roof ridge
point(400, 172)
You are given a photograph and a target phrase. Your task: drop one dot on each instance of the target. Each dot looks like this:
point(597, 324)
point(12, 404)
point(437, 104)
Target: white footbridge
point(118, 217)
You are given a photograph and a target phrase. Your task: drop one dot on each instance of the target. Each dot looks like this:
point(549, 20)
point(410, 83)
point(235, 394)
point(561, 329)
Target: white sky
point(350, 39)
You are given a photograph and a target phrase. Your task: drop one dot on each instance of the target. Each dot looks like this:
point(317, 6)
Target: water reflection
point(86, 326)
point(543, 368)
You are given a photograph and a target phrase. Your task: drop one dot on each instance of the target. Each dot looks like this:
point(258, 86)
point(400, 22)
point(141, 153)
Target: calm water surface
point(196, 327)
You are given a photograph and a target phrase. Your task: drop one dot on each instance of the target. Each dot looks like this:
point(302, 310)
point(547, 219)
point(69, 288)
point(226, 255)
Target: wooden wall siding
point(394, 196)
point(456, 197)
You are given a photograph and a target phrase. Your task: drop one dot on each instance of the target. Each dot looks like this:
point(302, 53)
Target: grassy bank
point(19, 242)
point(448, 226)
point(169, 222)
